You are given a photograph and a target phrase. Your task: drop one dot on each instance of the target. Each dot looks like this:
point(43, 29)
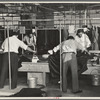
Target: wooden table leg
point(44, 78)
point(27, 77)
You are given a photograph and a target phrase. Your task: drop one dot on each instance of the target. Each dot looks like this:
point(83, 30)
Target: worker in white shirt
point(83, 39)
point(82, 57)
point(30, 39)
point(68, 54)
point(14, 44)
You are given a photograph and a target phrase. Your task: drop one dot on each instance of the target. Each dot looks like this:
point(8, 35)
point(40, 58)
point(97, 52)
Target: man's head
point(16, 32)
point(80, 32)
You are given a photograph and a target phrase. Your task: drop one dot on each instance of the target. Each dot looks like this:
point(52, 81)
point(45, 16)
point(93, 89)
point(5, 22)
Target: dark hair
point(70, 37)
point(80, 30)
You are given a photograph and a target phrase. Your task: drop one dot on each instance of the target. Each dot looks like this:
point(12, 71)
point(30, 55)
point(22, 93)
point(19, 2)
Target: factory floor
point(52, 88)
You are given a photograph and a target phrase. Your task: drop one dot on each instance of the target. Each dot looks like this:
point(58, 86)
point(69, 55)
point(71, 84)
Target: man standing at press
point(11, 44)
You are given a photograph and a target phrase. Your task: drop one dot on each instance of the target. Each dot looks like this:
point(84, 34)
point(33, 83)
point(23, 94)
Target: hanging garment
point(82, 59)
point(99, 37)
point(95, 45)
point(54, 65)
point(91, 37)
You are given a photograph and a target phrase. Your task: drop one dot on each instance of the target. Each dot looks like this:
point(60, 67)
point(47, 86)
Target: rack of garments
point(94, 36)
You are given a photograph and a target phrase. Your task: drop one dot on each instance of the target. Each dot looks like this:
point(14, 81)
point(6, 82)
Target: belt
point(69, 52)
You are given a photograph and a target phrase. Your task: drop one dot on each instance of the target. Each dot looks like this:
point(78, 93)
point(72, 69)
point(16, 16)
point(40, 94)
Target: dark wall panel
point(47, 39)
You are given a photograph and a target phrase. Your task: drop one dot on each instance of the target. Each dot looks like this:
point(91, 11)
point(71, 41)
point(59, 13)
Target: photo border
point(50, 1)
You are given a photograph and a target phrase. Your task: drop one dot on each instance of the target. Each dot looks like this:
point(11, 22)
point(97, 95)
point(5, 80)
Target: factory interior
point(51, 23)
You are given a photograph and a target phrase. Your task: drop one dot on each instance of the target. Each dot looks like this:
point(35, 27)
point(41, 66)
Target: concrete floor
point(52, 88)
point(88, 90)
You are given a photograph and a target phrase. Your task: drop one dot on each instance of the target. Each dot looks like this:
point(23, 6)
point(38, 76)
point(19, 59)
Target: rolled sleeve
point(2, 46)
point(55, 49)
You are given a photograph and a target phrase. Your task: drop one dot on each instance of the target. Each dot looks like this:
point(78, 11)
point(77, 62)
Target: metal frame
point(9, 56)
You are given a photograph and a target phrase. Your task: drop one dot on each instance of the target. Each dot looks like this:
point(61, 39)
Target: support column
point(85, 21)
point(80, 21)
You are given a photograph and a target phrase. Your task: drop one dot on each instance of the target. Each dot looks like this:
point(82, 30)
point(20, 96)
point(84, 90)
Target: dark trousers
point(5, 68)
point(69, 60)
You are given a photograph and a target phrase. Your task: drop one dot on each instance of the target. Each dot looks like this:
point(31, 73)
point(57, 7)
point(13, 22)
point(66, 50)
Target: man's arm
point(55, 49)
point(29, 49)
point(25, 47)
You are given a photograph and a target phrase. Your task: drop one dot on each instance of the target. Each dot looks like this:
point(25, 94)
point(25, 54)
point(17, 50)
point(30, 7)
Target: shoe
point(79, 91)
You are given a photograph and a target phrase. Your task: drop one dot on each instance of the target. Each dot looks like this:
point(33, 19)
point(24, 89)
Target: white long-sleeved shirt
point(14, 44)
point(84, 41)
point(68, 46)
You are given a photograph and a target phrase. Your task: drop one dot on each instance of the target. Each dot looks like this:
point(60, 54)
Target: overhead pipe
point(60, 58)
point(53, 19)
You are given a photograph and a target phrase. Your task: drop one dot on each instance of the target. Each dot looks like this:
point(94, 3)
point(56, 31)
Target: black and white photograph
point(50, 50)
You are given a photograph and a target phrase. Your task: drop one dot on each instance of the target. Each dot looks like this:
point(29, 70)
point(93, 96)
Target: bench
point(38, 70)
